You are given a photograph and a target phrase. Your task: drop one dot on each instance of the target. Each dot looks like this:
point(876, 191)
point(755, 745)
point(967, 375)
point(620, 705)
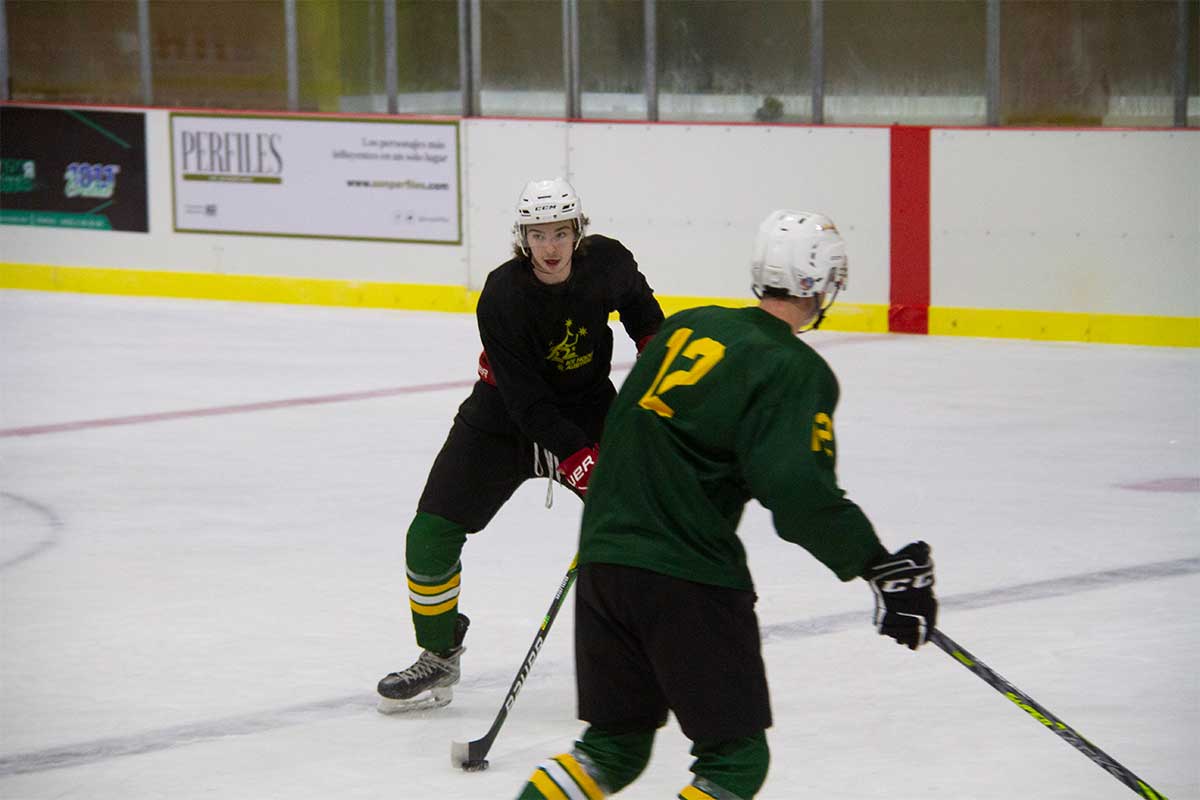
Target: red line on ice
point(239, 408)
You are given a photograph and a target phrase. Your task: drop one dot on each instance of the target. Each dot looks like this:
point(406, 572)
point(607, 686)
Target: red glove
point(485, 369)
point(577, 469)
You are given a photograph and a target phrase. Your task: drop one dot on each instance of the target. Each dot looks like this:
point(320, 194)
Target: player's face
point(551, 245)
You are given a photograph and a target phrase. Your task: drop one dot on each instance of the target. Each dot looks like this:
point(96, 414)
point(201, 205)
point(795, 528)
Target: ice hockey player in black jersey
point(723, 405)
point(537, 410)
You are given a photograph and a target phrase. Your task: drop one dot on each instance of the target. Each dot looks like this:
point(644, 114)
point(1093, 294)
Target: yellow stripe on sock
point(420, 588)
point(692, 793)
point(433, 611)
point(573, 768)
point(549, 789)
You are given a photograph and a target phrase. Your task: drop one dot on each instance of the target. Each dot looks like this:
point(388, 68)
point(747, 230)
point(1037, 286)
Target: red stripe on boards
point(909, 309)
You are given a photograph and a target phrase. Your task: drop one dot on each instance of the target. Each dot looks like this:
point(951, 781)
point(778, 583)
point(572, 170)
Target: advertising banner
point(390, 180)
point(63, 168)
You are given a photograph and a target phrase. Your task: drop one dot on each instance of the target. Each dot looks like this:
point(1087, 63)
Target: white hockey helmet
point(548, 200)
point(799, 253)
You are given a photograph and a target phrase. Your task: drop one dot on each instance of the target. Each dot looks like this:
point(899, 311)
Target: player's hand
point(905, 606)
point(485, 369)
point(577, 469)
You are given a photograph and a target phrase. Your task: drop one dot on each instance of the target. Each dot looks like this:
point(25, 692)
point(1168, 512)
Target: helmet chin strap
point(816, 323)
point(816, 317)
point(822, 308)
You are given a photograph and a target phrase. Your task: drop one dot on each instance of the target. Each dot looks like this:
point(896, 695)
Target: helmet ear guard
point(799, 254)
point(551, 200)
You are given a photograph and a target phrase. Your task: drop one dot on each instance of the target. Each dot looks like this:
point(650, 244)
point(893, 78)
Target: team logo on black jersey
point(565, 354)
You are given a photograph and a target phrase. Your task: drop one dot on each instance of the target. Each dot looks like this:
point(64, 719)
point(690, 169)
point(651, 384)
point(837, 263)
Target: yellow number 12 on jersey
point(706, 352)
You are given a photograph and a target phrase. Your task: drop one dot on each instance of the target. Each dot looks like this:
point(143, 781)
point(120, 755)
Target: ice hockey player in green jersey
point(724, 405)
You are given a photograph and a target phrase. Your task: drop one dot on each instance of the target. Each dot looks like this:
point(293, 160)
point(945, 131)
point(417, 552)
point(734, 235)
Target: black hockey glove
point(905, 606)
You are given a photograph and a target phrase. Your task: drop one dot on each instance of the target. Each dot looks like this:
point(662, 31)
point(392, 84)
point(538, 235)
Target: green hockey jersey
point(723, 405)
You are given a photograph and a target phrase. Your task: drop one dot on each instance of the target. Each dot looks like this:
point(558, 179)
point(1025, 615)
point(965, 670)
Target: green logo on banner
point(17, 175)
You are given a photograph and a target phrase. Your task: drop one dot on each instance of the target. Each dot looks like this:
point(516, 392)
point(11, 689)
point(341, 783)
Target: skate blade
point(436, 698)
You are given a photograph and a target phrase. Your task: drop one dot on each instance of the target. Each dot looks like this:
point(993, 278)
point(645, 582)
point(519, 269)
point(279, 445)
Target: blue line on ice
point(176, 736)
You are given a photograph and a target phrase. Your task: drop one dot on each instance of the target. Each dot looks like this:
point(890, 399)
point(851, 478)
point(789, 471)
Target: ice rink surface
point(202, 517)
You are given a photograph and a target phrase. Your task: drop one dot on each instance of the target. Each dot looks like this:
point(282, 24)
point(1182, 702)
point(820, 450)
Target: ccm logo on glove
point(577, 470)
point(905, 605)
point(904, 584)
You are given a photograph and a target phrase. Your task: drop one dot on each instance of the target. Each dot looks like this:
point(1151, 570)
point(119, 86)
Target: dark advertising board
point(68, 168)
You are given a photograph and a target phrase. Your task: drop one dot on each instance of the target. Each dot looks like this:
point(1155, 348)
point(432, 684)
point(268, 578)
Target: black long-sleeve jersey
point(549, 347)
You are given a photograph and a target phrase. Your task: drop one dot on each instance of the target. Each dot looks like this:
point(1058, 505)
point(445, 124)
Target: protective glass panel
point(731, 60)
point(427, 52)
point(916, 62)
point(1065, 62)
point(66, 51)
point(343, 56)
point(522, 59)
point(219, 54)
point(612, 59)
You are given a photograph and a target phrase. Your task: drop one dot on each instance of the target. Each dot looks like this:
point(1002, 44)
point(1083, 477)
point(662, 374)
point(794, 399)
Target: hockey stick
point(470, 756)
point(1031, 706)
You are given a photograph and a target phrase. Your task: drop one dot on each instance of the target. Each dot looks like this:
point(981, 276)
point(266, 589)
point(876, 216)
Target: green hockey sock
point(614, 759)
point(434, 571)
point(729, 769)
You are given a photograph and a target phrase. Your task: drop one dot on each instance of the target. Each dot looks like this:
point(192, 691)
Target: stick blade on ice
point(461, 758)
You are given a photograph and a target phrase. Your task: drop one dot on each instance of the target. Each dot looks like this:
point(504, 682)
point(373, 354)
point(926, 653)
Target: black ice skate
point(427, 683)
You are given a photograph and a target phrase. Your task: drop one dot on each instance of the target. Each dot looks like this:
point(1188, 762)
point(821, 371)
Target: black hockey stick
point(1031, 707)
point(471, 756)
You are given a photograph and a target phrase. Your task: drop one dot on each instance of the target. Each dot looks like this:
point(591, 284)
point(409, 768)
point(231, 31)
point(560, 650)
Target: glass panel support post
point(4, 93)
point(468, 56)
point(570, 9)
point(1182, 58)
point(816, 58)
point(650, 32)
point(292, 51)
point(391, 70)
point(992, 57)
point(145, 52)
